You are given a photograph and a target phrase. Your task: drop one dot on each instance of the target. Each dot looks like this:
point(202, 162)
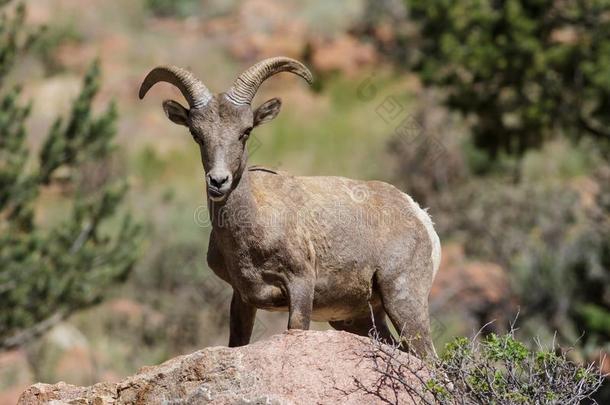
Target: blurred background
point(494, 114)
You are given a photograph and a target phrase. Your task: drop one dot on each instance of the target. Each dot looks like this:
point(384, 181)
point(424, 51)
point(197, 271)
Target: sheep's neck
point(238, 208)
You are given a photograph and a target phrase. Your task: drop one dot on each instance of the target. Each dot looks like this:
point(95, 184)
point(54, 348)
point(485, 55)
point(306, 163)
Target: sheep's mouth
point(216, 195)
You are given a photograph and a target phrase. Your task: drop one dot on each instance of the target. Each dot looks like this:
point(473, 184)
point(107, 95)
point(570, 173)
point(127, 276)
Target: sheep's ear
point(267, 111)
point(176, 112)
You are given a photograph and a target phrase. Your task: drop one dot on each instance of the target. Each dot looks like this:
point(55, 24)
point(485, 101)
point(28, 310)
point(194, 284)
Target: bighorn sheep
point(322, 248)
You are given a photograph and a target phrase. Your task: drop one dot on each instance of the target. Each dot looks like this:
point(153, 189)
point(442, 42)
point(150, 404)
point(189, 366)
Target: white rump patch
point(426, 221)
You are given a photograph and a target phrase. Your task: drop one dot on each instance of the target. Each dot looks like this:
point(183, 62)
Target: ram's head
point(221, 123)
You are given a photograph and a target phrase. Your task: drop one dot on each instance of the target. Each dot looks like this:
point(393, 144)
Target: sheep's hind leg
point(405, 300)
point(411, 320)
point(300, 303)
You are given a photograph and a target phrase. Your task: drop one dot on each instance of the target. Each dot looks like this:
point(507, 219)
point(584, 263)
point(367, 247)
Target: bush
point(492, 370)
point(525, 71)
point(47, 272)
point(553, 237)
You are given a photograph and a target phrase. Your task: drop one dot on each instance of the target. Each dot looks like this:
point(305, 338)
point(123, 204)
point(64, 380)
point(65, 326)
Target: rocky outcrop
point(296, 367)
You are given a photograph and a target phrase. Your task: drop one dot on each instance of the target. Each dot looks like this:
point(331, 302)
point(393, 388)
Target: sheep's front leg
point(241, 321)
point(300, 295)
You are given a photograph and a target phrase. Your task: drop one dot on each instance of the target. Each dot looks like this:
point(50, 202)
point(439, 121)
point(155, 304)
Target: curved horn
point(246, 85)
point(192, 89)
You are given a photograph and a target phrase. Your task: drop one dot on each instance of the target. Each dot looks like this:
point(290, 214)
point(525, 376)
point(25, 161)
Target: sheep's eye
point(245, 134)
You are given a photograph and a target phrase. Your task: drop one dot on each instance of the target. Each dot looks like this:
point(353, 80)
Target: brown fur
point(320, 248)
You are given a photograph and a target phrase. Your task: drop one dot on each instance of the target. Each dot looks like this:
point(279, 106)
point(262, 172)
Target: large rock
point(296, 367)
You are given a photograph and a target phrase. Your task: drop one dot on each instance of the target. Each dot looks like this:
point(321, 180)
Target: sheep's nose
point(218, 180)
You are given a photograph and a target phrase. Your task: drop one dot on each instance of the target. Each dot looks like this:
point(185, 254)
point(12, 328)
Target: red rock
point(343, 54)
point(296, 367)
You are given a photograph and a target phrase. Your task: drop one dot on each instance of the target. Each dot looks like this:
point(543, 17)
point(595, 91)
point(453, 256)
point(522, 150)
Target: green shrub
point(502, 370)
point(497, 369)
point(47, 272)
point(526, 71)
